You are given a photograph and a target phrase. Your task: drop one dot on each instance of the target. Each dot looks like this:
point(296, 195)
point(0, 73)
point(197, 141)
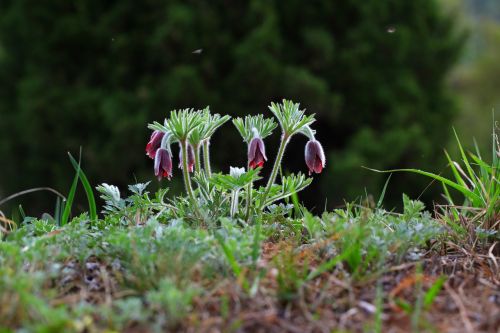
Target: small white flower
point(236, 172)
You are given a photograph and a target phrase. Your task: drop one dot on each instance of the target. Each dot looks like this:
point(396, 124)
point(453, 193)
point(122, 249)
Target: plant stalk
point(206, 157)
point(249, 198)
point(277, 163)
point(187, 178)
point(197, 160)
point(248, 201)
point(234, 202)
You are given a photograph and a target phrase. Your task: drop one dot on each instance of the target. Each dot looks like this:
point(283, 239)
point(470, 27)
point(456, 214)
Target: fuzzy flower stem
point(185, 172)
point(249, 200)
point(206, 157)
point(197, 159)
point(234, 202)
point(277, 163)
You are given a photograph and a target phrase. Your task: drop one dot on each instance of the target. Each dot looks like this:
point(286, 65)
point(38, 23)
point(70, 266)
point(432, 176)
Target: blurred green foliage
point(94, 73)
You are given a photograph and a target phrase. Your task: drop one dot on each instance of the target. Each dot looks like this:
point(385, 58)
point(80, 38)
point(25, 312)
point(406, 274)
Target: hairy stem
point(249, 198)
point(185, 172)
point(248, 201)
point(277, 163)
point(206, 157)
point(197, 160)
point(234, 202)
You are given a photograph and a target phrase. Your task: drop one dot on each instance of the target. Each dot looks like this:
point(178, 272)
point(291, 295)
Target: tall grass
point(478, 183)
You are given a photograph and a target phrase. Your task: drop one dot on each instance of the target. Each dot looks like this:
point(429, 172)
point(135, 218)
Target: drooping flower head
point(315, 157)
point(256, 152)
point(190, 158)
point(154, 143)
point(163, 163)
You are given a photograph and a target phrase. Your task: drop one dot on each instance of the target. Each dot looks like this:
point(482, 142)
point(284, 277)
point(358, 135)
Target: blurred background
point(387, 79)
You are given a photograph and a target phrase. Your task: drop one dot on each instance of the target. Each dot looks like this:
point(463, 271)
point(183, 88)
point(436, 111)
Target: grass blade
point(256, 241)
point(482, 164)
point(87, 187)
point(433, 291)
point(464, 156)
point(465, 191)
point(70, 198)
point(454, 170)
point(378, 309)
point(329, 264)
point(58, 211)
point(229, 255)
point(447, 195)
point(382, 195)
point(31, 190)
point(494, 142)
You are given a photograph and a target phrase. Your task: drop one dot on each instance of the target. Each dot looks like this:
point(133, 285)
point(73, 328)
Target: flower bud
point(236, 172)
point(190, 157)
point(315, 157)
point(256, 153)
point(163, 163)
point(154, 143)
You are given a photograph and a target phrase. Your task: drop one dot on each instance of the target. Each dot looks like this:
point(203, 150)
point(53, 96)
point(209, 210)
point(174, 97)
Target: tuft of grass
point(86, 185)
point(71, 196)
point(80, 175)
point(478, 181)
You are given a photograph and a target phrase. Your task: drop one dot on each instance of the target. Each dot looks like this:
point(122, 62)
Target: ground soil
point(469, 300)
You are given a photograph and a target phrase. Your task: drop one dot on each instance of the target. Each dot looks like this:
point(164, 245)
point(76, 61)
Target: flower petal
point(154, 143)
point(256, 153)
point(314, 156)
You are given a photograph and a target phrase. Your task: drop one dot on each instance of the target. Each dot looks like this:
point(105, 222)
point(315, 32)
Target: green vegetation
point(140, 268)
point(155, 263)
point(478, 182)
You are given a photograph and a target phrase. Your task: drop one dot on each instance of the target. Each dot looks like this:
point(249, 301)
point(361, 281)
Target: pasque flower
point(315, 157)
point(256, 153)
point(154, 143)
point(163, 163)
point(192, 130)
point(190, 158)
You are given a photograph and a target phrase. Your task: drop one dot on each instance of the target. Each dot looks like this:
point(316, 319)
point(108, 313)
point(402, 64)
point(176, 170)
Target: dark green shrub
point(92, 73)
